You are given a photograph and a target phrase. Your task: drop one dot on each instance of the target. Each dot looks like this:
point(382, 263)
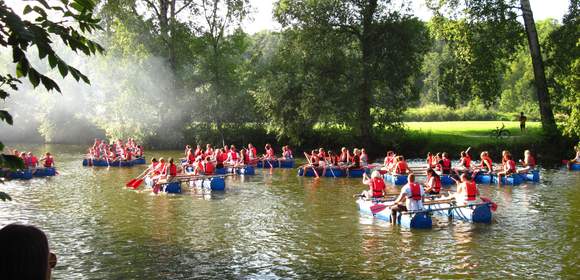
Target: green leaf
point(22, 68)
point(1, 146)
point(49, 84)
point(33, 77)
point(27, 9)
point(63, 68)
point(5, 116)
point(3, 95)
point(52, 60)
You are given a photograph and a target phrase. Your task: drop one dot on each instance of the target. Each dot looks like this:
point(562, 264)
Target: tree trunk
point(548, 122)
point(366, 90)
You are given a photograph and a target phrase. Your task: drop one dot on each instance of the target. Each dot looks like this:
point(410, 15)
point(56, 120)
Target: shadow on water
point(279, 225)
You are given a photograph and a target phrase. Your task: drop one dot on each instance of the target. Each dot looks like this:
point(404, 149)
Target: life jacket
point(378, 186)
point(437, 183)
point(314, 159)
point(128, 154)
point(172, 170)
point(467, 162)
point(48, 162)
point(28, 161)
point(446, 165)
point(510, 165)
point(162, 168)
point(415, 191)
point(208, 168)
point(356, 160)
point(252, 152)
point(401, 167)
point(190, 157)
point(246, 158)
point(531, 162)
point(486, 159)
point(223, 157)
point(199, 167)
point(233, 155)
point(198, 152)
point(209, 152)
point(270, 152)
point(471, 190)
point(429, 160)
point(343, 157)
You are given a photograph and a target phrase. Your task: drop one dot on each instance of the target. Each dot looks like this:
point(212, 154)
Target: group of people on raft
point(412, 194)
point(441, 164)
point(324, 160)
point(117, 150)
point(33, 162)
point(204, 162)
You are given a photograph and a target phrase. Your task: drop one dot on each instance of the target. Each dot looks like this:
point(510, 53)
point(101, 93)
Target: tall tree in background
point(564, 65)
point(384, 44)
point(496, 13)
point(548, 122)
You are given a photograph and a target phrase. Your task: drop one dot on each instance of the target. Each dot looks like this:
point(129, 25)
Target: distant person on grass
point(523, 120)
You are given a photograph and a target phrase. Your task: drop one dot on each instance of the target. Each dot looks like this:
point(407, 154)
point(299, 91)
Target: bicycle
point(500, 132)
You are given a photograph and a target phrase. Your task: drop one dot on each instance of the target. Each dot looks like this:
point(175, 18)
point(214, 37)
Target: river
point(276, 225)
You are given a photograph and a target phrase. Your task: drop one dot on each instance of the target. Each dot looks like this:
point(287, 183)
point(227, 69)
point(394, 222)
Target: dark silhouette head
point(23, 253)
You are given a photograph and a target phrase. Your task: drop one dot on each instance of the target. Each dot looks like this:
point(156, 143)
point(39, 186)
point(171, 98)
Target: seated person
point(376, 185)
point(412, 195)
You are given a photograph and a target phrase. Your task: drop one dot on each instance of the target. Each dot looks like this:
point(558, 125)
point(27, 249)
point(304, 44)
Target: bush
point(473, 112)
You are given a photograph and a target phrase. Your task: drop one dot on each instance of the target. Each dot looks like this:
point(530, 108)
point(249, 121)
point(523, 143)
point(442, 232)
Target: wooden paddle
point(310, 162)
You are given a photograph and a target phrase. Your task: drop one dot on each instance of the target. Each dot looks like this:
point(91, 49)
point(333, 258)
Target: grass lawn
point(472, 133)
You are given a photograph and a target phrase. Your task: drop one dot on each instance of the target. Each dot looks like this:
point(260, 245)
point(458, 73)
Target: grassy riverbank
point(453, 137)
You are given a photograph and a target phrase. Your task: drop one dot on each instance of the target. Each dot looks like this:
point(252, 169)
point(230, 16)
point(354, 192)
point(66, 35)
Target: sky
point(262, 15)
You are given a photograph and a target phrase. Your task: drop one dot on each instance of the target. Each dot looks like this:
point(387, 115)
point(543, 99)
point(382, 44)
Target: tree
point(563, 62)
point(383, 46)
point(20, 35)
point(548, 121)
point(504, 37)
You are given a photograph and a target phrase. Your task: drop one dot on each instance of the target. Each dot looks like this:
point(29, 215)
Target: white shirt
point(412, 205)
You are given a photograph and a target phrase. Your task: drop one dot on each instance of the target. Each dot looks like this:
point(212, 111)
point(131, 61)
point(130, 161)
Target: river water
point(277, 225)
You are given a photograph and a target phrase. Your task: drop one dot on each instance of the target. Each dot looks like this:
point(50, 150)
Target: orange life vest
point(471, 190)
point(415, 191)
point(378, 186)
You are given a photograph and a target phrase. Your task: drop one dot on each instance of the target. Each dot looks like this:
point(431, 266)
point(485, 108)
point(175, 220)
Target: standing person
point(376, 185)
point(412, 195)
point(523, 120)
point(24, 253)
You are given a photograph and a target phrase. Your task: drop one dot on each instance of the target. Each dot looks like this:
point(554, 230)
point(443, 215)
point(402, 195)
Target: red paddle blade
point(130, 183)
point(488, 200)
point(378, 208)
point(137, 183)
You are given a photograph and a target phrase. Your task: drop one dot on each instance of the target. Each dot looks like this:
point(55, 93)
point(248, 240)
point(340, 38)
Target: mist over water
point(130, 95)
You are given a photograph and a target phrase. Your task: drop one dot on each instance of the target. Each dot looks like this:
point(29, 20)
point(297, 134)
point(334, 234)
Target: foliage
point(564, 64)
point(351, 48)
point(21, 35)
point(474, 111)
point(479, 39)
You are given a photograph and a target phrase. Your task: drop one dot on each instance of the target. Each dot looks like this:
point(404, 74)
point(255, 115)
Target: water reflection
point(278, 225)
